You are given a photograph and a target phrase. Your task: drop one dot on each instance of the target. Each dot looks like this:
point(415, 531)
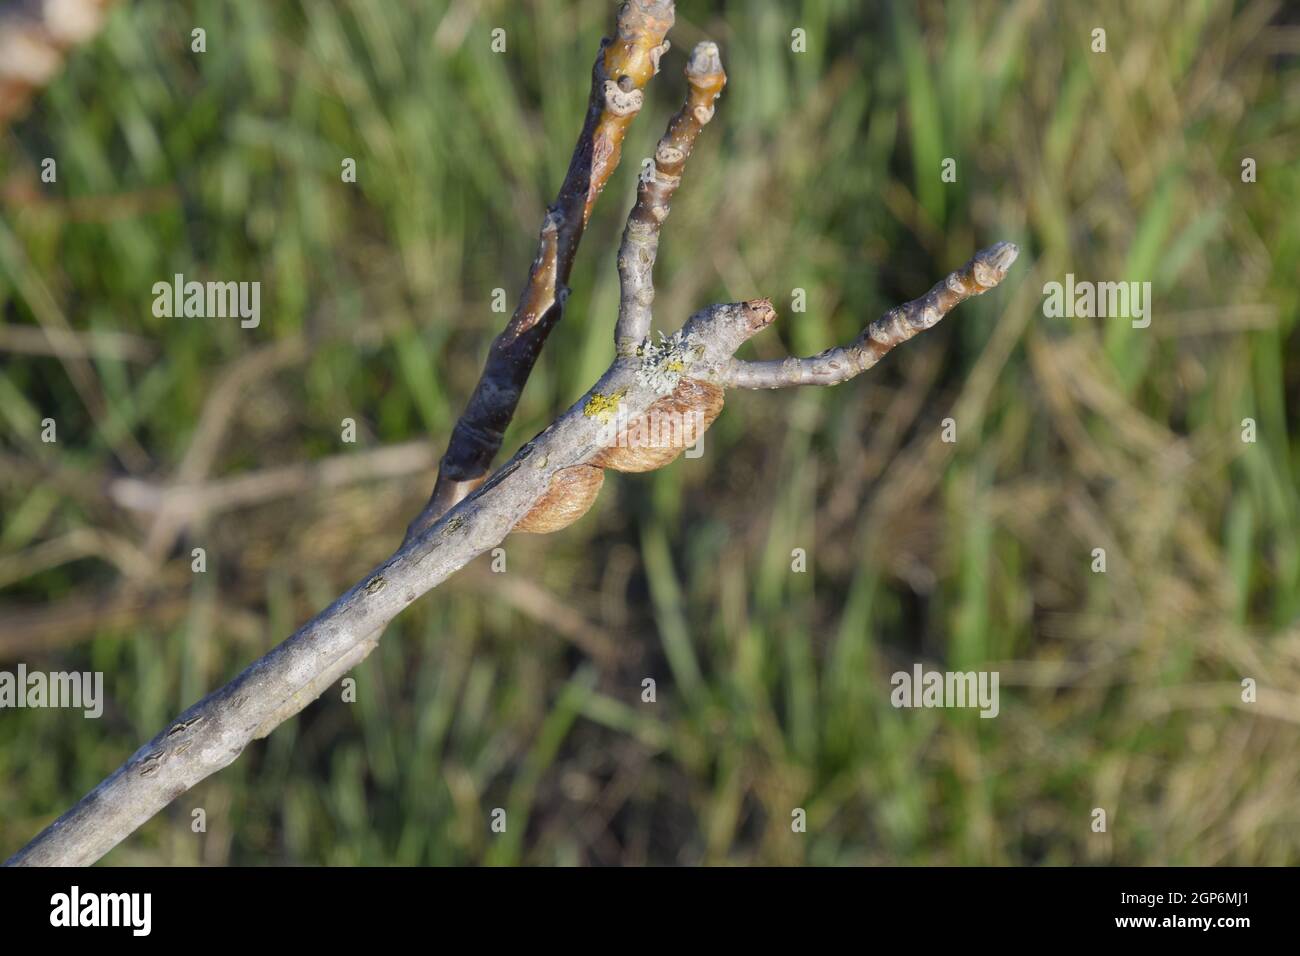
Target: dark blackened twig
point(624, 67)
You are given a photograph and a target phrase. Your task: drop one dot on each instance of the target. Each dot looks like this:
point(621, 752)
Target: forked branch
point(625, 65)
point(551, 481)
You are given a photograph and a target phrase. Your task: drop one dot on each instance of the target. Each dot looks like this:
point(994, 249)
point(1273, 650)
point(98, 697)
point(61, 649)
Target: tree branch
point(636, 257)
point(549, 482)
point(621, 72)
point(212, 733)
point(984, 271)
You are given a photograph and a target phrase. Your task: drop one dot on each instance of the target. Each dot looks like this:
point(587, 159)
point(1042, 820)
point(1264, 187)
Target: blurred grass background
point(522, 690)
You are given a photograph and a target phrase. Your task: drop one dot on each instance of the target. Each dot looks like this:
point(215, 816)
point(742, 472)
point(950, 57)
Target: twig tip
point(705, 60)
point(990, 265)
point(1002, 255)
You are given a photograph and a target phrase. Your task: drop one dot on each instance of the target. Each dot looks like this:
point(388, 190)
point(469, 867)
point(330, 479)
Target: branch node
point(621, 102)
point(657, 54)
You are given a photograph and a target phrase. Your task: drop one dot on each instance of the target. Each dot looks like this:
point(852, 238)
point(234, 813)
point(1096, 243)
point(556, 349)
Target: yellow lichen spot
point(602, 407)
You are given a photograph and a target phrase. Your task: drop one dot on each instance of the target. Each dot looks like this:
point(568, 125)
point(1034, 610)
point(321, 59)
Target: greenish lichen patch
point(602, 407)
point(663, 362)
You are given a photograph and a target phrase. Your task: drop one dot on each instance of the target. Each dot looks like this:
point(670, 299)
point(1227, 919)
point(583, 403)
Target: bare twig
point(549, 482)
point(81, 372)
point(212, 733)
point(73, 546)
point(636, 257)
point(92, 343)
point(624, 67)
point(536, 602)
point(188, 503)
point(40, 630)
point(985, 270)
